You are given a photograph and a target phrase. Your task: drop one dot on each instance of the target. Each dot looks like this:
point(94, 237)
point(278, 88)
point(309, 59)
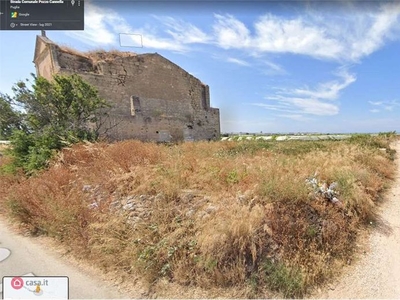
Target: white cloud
point(238, 61)
point(101, 25)
point(274, 68)
point(184, 32)
point(374, 110)
point(349, 36)
point(277, 35)
point(263, 66)
point(314, 106)
point(309, 101)
point(230, 32)
point(386, 105)
point(297, 106)
point(374, 30)
point(280, 105)
point(375, 103)
point(356, 34)
point(295, 117)
point(328, 90)
point(232, 60)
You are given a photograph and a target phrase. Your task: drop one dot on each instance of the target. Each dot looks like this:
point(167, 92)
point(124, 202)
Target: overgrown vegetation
point(221, 214)
point(48, 117)
point(99, 54)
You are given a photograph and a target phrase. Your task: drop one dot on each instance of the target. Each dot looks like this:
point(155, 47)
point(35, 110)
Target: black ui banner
point(41, 14)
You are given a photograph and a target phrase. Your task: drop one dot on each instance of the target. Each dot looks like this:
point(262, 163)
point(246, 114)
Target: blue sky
point(272, 66)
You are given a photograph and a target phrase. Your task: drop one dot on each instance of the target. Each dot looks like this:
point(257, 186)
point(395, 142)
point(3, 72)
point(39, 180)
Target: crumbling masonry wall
point(153, 99)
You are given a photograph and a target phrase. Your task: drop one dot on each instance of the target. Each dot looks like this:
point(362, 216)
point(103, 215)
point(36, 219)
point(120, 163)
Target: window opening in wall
point(204, 97)
point(135, 106)
point(132, 107)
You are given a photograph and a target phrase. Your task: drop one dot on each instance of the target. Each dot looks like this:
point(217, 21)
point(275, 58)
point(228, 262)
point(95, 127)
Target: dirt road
point(28, 256)
point(376, 274)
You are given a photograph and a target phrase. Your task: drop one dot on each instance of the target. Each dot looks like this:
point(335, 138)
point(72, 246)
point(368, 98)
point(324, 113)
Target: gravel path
point(377, 272)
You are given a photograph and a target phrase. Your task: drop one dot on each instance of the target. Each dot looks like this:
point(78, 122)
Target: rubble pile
point(322, 189)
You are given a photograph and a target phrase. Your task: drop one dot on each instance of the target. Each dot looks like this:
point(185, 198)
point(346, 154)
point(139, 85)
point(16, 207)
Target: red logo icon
point(17, 283)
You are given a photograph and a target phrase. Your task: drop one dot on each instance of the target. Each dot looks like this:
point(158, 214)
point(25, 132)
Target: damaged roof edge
point(103, 55)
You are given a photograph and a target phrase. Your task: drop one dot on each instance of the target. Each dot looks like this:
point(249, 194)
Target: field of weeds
point(208, 214)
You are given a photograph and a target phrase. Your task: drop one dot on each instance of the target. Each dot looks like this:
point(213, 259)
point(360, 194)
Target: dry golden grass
point(210, 215)
point(72, 51)
point(98, 54)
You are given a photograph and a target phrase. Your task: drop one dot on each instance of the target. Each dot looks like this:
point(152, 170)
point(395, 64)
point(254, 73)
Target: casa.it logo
point(17, 283)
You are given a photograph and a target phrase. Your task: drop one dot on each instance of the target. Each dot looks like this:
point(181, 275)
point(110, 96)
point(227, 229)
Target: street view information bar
point(35, 287)
point(41, 15)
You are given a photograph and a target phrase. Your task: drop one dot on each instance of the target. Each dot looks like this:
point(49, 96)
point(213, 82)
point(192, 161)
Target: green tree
point(10, 119)
point(50, 115)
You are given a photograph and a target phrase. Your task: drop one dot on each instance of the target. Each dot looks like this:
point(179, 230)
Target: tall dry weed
point(213, 214)
point(232, 242)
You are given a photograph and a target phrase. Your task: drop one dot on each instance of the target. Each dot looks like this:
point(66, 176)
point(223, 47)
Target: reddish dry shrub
point(7, 183)
point(309, 231)
point(298, 225)
point(52, 204)
point(81, 155)
point(129, 154)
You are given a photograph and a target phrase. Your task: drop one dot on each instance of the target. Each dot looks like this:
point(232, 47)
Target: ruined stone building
point(152, 98)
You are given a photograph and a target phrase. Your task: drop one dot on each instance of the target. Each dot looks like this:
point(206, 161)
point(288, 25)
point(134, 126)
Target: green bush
point(53, 115)
point(366, 140)
point(279, 277)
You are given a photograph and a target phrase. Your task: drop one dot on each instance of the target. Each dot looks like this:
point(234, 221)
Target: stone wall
point(152, 98)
